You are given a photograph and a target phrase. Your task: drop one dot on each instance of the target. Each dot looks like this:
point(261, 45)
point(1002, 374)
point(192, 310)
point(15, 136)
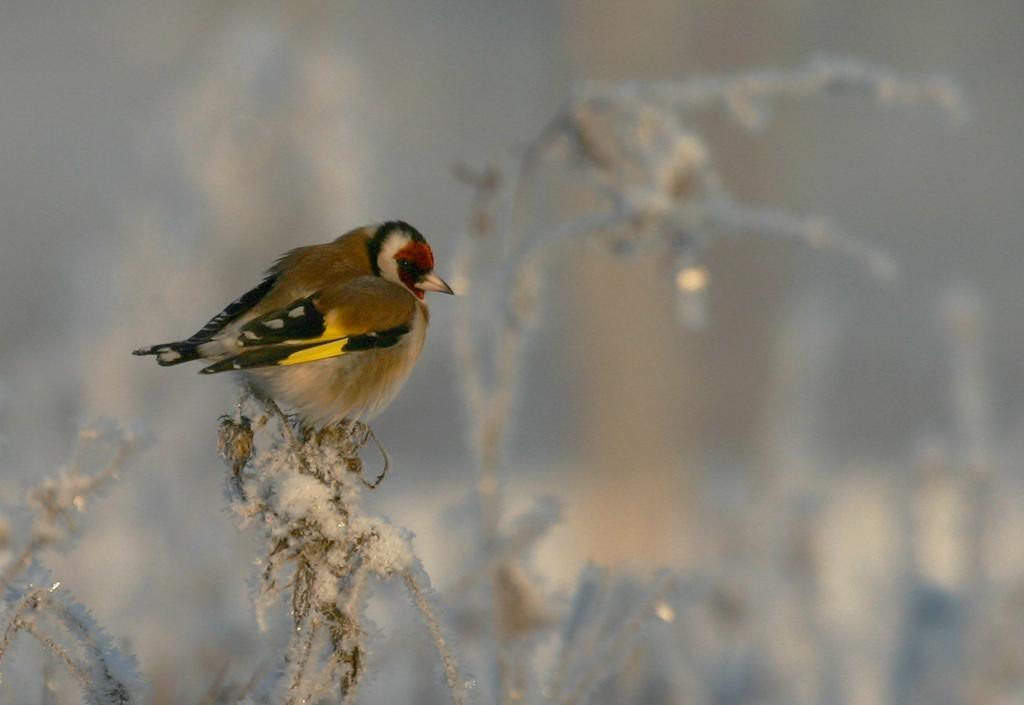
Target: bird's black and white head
point(399, 253)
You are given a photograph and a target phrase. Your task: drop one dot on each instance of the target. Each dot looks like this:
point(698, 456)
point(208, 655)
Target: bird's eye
point(405, 265)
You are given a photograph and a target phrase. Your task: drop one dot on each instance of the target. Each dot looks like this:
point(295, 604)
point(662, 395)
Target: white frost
point(389, 552)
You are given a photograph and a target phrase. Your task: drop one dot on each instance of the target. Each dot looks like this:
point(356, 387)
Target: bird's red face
point(414, 261)
point(400, 254)
point(415, 266)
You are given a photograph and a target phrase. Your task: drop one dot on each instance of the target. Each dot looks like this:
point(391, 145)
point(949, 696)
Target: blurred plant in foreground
point(34, 603)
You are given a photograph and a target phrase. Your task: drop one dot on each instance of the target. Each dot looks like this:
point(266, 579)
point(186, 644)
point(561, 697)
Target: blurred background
point(155, 157)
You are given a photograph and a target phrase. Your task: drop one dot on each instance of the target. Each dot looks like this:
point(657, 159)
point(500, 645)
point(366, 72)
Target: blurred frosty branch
point(746, 96)
point(34, 605)
point(645, 183)
point(653, 190)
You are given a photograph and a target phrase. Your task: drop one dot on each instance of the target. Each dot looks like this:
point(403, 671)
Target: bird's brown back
point(302, 269)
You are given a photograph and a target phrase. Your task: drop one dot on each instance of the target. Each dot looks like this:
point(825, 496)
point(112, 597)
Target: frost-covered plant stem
point(413, 578)
point(56, 502)
point(34, 605)
point(303, 487)
point(20, 622)
point(105, 675)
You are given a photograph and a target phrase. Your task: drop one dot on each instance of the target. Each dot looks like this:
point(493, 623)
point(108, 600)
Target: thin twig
point(53, 647)
point(426, 610)
point(307, 649)
point(383, 454)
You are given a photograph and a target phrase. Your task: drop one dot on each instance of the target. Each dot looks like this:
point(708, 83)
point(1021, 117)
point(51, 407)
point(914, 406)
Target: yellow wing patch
point(333, 348)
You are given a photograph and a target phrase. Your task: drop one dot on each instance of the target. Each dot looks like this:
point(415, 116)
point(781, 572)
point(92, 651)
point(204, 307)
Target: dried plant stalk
point(34, 605)
point(303, 488)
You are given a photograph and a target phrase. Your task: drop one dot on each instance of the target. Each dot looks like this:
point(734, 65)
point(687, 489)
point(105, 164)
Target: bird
point(332, 331)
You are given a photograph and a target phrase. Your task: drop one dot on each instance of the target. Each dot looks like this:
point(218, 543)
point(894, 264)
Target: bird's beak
point(432, 282)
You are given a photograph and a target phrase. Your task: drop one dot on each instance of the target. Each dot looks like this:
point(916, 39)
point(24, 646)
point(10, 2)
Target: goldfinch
point(332, 331)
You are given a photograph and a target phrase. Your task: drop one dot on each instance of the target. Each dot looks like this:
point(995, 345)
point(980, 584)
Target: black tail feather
point(171, 353)
point(260, 357)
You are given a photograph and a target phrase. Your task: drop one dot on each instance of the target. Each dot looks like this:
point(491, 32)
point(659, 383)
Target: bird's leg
point(384, 457)
point(369, 435)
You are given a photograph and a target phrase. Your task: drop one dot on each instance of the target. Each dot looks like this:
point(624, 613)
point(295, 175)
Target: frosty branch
point(632, 155)
point(302, 488)
point(33, 602)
